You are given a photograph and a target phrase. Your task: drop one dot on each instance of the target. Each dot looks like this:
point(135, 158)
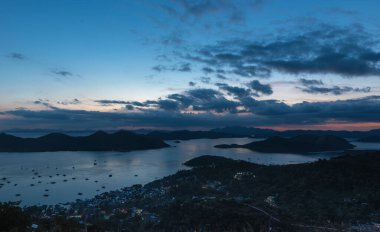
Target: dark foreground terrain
point(220, 194)
point(99, 141)
point(298, 144)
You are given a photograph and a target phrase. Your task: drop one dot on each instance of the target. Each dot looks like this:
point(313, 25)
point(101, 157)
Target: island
point(297, 144)
point(221, 194)
point(99, 141)
point(370, 139)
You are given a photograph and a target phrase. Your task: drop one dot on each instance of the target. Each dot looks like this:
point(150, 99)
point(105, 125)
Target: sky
point(188, 64)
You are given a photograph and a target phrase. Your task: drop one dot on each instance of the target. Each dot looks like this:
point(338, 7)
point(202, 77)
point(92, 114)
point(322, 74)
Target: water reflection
point(58, 177)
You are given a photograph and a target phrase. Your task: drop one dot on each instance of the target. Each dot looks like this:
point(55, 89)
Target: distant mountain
point(370, 139)
point(225, 132)
point(297, 144)
point(266, 133)
point(99, 141)
point(186, 135)
point(246, 131)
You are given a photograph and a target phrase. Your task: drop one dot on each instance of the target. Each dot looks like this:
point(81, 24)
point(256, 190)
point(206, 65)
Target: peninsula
point(99, 141)
point(297, 144)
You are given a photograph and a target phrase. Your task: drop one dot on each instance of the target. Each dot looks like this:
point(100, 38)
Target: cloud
point(323, 49)
point(255, 88)
point(17, 56)
point(173, 39)
point(186, 67)
point(159, 68)
point(258, 112)
point(203, 8)
point(42, 102)
point(192, 84)
point(112, 102)
point(207, 70)
point(336, 90)
point(220, 76)
point(317, 87)
point(62, 73)
point(183, 67)
point(168, 105)
point(352, 110)
point(238, 92)
point(260, 89)
point(203, 100)
point(74, 101)
point(307, 82)
point(205, 80)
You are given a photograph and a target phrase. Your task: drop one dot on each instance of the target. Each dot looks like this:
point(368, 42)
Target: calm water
point(34, 174)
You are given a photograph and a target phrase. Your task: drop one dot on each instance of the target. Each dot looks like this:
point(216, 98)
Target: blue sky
point(183, 64)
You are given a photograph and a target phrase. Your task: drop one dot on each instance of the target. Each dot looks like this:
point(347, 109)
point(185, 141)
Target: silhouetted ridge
point(297, 144)
point(99, 141)
point(266, 133)
point(370, 139)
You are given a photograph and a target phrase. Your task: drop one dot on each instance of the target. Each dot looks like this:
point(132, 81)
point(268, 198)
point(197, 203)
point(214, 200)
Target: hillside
point(370, 139)
point(99, 141)
point(220, 194)
point(297, 144)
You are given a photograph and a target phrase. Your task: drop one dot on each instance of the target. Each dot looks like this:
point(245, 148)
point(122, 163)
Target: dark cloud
point(220, 76)
point(129, 107)
point(42, 102)
point(317, 87)
point(325, 49)
point(112, 102)
point(174, 39)
point(192, 84)
point(17, 56)
point(159, 68)
point(168, 105)
point(203, 94)
point(251, 71)
point(264, 112)
point(238, 92)
point(307, 82)
point(371, 56)
point(336, 90)
point(74, 101)
point(186, 67)
point(208, 100)
point(352, 110)
point(62, 73)
point(205, 80)
point(207, 70)
point(260, 89)
point(183, 67)
point(205, 7)
point(46, 103)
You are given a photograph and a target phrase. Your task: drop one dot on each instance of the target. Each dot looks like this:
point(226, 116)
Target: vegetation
point(99, 141)
point(12, 218)
point(220, 194)
point(370, 139)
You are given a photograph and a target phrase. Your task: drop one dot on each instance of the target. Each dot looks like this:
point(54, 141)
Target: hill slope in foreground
point(297, 144)
point(99, 141)
point(220, 194)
